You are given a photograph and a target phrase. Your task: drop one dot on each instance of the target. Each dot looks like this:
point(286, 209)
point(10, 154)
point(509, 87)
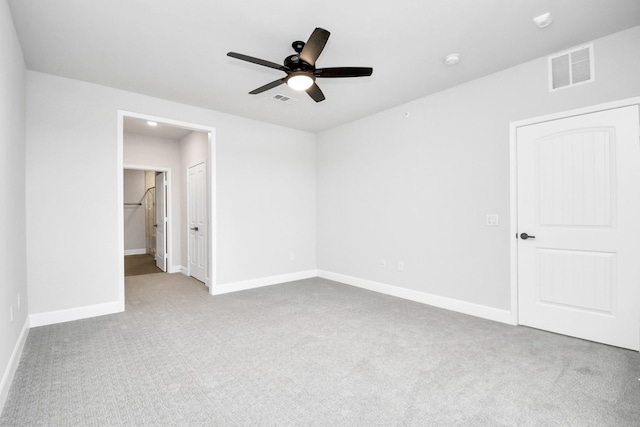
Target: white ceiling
point(161, 130)
point(176, 50)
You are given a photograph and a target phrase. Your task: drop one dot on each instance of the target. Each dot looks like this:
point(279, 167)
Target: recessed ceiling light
point(150, 123)
point(543, 20)
point(452, 59)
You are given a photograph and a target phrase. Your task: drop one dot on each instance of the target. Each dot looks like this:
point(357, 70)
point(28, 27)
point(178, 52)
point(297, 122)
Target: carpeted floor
point(311, 353)
point(135, 265)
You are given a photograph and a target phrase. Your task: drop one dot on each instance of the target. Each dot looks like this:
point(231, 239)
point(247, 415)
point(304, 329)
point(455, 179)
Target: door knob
point(194, 228)
point(525, 236)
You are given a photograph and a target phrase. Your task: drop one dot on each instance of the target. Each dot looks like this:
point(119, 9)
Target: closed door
point(197, 213)
point(579, 226)
point(161, 221)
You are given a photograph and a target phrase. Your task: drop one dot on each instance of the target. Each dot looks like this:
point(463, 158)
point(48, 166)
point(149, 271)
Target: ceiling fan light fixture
point(300, 80)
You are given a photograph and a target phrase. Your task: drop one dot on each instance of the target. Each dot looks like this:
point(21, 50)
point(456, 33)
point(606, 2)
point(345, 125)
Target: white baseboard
point(61, 316)
point(478, 310)
point(135, 252)
point(178, 269)
point(12, 366)
point(263, 281)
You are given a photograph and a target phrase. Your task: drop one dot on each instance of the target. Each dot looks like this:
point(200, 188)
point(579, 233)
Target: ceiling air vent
point(283, 98)
point(571, 67)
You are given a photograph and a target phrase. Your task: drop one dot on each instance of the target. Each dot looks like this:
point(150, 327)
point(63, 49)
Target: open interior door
point(161, 221)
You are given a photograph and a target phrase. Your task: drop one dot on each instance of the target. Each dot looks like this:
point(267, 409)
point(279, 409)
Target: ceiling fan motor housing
point(294, 63)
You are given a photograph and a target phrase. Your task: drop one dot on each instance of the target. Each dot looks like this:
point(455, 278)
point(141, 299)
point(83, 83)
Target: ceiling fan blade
point(313, 48)
point(343, 72)
point(268, 86)
point(315, 93)
point(257, 61)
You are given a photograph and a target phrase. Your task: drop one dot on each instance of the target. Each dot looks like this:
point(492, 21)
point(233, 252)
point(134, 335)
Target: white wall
point(193, 149)
point(267, 184)
point(134, 215)
point(143, 150)
point(265, 193)
point(416, 189)
point(13, 270)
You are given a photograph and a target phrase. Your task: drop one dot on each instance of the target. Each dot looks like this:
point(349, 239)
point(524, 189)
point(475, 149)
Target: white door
point(197, 207)
point(161, 221)
point(579, 201)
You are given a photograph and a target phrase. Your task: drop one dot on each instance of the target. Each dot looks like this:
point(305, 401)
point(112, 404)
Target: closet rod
point(143, 196)
point(145, 193)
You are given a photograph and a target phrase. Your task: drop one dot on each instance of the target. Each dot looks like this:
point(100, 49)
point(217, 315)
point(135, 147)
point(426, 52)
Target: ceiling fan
point(301, 67)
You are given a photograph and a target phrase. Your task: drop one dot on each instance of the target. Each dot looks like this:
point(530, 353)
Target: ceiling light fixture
point(543, 20)
point(300, 80)
point(150, 123)
point(452, 59)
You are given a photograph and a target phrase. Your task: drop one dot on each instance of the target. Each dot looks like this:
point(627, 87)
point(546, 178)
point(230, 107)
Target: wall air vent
point(571, 67)
point(283, 98)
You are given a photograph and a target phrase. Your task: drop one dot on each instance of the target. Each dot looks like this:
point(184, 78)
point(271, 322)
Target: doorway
point(577, 182)
point(140, 225)
point(147, 225)
point(176, 200)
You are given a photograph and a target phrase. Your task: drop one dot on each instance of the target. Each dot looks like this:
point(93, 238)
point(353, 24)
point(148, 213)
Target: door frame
point(169, 236)
point(189, 254)
point(211, 192)
point(513, 215)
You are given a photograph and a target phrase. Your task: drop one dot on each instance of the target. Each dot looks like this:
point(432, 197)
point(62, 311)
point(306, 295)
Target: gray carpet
point(311, 353)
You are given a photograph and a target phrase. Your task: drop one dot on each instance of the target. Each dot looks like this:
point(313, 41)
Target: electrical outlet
point(383, 264)
point(401, 266)
point(292, 256)
point(492, 220)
